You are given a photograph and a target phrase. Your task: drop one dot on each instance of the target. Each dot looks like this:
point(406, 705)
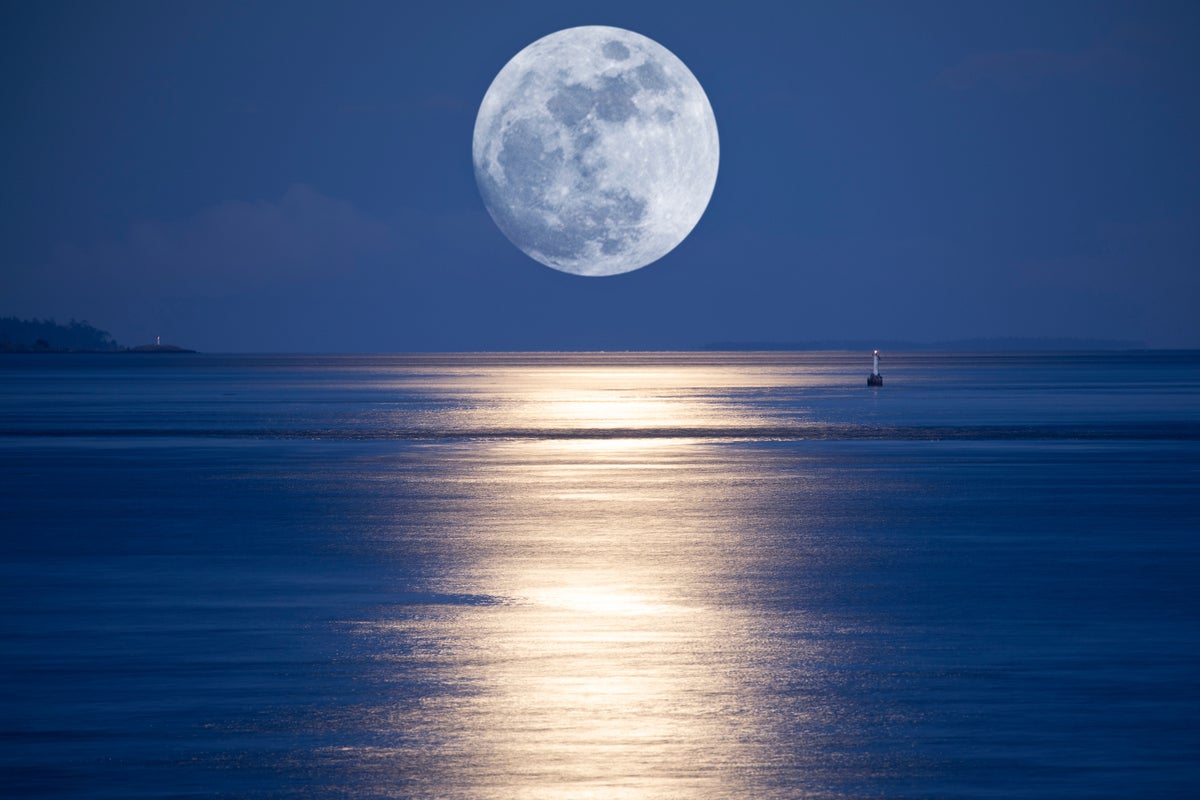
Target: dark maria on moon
point(595, 150)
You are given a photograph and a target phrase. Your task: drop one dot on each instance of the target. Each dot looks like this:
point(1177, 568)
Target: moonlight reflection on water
point(623, 650)
point(649, 575)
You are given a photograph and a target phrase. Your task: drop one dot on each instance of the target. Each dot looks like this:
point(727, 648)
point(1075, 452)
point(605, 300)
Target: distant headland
point(48, 336)
point(999, 344)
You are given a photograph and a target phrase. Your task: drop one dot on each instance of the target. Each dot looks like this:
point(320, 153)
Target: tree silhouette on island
point(48, 336)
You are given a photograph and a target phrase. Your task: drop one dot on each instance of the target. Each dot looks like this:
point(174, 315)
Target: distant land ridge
point(997, 344)
point(48, 336)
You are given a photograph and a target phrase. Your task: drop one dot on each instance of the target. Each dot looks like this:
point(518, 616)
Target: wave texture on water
point(646, 575)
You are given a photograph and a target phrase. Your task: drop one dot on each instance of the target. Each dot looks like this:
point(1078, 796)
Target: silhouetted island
point(48, 336)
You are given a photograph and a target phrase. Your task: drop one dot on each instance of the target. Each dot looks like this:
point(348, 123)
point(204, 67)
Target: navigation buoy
point(875, 379)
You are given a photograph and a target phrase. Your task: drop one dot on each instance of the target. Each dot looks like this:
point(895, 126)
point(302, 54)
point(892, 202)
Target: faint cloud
point(244, 107)
point(1031, 68)
point(1164, 250)
point(233, 246)
point(222, 267)
point(1133, 280)
point(433, 103)
point(441, 101)
point(293, 273)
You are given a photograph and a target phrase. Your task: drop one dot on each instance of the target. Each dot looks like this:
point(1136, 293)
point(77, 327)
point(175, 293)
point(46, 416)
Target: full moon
point(595, 150)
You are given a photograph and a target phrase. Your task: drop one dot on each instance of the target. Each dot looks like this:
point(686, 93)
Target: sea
point(600, 575)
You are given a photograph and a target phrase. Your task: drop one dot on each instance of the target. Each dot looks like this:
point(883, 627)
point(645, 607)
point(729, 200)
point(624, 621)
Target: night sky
point(285, 176)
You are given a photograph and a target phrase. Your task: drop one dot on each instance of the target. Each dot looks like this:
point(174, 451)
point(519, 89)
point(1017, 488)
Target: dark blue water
point(600, 576)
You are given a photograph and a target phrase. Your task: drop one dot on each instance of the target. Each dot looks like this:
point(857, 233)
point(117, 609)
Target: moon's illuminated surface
point(595, 150)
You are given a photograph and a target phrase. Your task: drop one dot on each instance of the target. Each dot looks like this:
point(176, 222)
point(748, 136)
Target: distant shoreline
point(47, 336)
point(998, 344)
point(64, 351)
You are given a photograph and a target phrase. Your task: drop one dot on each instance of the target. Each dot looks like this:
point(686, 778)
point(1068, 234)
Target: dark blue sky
point(297, 176)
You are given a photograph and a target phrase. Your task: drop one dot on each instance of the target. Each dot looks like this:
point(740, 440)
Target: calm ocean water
point(600, 576)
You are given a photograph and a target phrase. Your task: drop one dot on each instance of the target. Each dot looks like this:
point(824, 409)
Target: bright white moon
point(595, 150)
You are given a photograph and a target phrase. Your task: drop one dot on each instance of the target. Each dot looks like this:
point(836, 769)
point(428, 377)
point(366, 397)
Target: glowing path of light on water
point(619, 659)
